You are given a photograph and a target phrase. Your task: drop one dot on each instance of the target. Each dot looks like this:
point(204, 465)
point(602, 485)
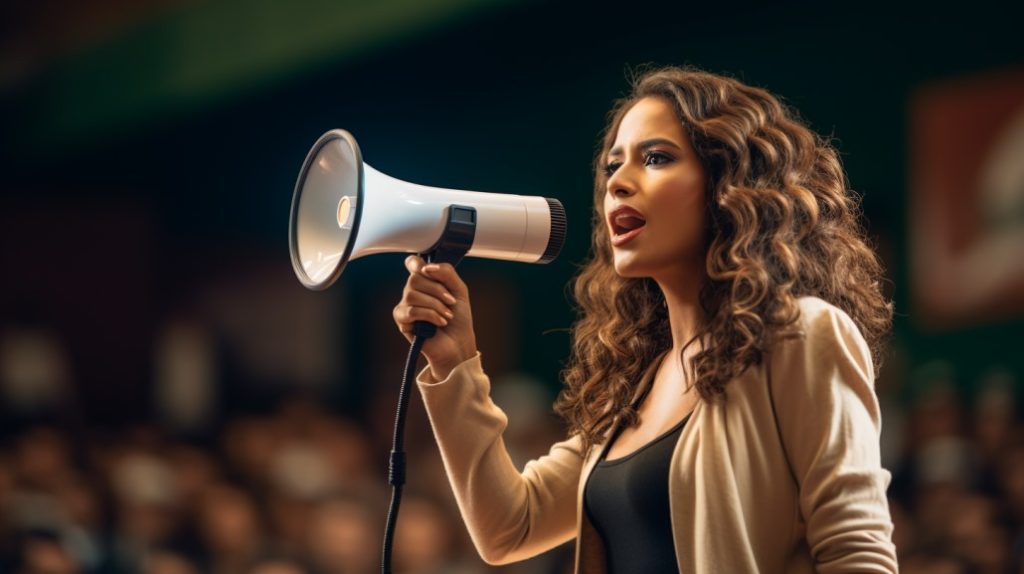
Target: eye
point(610, 168)
point(657, 158)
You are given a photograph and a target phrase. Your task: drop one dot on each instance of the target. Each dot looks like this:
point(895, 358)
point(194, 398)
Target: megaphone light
point(343, 209)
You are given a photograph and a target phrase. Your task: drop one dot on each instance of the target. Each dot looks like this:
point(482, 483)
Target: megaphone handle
point(455, 242)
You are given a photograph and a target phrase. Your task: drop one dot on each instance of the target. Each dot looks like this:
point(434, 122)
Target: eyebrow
point(646, 144)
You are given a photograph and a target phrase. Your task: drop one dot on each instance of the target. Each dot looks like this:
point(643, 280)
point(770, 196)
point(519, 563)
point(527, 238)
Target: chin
point(629, 269)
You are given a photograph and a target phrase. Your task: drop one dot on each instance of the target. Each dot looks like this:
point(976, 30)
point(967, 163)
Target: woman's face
point(655, 196)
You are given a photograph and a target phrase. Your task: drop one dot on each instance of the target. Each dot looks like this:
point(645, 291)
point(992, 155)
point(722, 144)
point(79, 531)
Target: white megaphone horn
point(343, 209)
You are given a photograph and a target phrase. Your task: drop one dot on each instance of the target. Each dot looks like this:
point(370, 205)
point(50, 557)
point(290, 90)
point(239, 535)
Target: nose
point(619, 183)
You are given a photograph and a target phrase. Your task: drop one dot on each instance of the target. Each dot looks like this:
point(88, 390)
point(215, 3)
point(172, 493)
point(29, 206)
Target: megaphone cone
point(343, 209)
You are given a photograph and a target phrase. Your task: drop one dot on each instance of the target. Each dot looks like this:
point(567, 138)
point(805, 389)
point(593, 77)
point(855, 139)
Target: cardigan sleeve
point(829, 421)
point(511, 515)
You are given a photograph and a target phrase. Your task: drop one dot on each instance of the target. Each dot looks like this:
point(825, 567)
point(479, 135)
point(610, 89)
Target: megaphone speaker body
point(344, 209)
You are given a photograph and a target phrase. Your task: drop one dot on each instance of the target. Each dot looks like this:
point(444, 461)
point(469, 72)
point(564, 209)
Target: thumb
point(414, 263)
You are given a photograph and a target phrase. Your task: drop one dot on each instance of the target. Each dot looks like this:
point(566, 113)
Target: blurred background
point(172, 401)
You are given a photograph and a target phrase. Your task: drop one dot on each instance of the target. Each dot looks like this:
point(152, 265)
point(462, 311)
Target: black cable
point(455, 241)
point(396, 463)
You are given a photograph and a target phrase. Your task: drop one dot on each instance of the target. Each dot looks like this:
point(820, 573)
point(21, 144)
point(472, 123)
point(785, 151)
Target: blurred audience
point(297, 490)
point(955, 486)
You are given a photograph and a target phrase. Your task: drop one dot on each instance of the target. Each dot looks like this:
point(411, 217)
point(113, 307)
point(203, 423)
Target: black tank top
point(626, 500)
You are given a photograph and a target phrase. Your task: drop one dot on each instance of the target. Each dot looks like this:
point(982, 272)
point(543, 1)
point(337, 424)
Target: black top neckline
point(652, 442)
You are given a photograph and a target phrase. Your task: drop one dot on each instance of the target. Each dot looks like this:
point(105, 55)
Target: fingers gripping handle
point(455, 242)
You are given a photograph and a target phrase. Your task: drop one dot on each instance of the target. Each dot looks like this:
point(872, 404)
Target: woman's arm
point(823, 385)
point(510, 515)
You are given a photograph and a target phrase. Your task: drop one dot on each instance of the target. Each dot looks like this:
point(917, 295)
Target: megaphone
point(343, 209)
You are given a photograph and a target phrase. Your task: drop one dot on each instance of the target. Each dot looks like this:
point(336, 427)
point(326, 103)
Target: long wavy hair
point(781, 223)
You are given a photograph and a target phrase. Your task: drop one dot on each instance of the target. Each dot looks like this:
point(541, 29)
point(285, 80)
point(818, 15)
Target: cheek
point(695, 191)
point(685, 226)
point(697, 218)
point(686, 202)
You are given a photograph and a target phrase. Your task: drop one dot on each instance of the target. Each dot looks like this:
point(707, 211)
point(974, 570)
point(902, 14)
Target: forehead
point(649, 118)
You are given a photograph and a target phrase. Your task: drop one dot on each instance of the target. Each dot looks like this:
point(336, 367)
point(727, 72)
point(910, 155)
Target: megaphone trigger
point(455, 242)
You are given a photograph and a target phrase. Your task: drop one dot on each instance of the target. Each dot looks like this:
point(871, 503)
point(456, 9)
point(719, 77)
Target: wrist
point(440, 370)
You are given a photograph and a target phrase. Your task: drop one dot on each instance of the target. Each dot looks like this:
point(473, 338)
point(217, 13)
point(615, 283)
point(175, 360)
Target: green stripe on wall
point(211, 52)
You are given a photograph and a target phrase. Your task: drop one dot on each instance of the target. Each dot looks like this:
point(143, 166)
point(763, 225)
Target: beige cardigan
point(746, 495)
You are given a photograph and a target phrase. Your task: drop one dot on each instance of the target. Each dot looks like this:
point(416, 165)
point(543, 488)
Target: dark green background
point(199, 121)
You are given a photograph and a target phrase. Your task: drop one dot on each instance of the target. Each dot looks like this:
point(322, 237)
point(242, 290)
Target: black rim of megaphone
point(293, 245)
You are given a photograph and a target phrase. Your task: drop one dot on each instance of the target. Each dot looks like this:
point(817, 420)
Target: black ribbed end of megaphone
point(557, 237)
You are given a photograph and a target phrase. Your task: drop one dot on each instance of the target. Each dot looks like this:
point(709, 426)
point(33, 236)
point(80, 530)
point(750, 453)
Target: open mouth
point(626, 220)
point(625, 223)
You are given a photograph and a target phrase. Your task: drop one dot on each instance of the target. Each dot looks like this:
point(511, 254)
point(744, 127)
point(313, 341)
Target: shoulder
point(819, 317)
point(824, 331)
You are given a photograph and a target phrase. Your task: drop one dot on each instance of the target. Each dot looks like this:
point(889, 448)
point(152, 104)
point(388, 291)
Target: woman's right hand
point(436, 294)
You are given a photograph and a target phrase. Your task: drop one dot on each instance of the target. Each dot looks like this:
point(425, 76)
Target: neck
point(682, 297)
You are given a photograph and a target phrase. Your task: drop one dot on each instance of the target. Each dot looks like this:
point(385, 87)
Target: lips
point(625, 223)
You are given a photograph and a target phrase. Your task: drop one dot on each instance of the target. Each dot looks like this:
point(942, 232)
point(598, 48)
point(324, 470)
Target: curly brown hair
point(781, 223)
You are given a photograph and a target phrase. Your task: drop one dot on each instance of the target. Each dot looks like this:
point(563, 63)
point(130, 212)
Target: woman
point(720, 395)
